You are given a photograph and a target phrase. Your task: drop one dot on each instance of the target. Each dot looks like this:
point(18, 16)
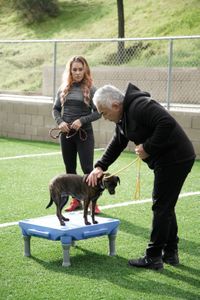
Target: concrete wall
point(31, 119)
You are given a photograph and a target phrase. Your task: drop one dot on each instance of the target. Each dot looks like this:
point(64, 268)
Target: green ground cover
point(93, 274)
point(22, 64)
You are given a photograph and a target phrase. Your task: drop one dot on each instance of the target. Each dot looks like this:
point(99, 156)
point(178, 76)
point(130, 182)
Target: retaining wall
point(30, 118)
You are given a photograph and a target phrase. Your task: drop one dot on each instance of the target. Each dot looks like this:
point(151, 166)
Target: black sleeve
point(159, 122)
point(57, 109)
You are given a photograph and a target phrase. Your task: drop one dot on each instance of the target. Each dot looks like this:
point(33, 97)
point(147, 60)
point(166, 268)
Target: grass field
point(93, 274)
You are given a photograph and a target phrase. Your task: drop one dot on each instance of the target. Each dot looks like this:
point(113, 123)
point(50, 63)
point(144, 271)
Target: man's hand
point(93, 176)
point(139, 150)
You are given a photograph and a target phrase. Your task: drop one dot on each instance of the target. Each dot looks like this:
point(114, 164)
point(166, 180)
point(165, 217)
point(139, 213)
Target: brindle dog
point(65, 185)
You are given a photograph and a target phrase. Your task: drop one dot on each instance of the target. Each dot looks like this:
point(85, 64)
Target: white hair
point(105, 96)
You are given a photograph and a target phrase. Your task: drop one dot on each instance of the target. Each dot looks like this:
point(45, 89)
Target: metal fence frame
point(55, 42)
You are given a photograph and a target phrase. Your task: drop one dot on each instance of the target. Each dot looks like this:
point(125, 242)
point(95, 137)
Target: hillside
point(98, 19)
point(22, 64)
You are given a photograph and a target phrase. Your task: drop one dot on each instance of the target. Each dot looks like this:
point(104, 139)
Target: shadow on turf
point(115, 269)
point(131, 228)
point(92, 265)
point(185, 246)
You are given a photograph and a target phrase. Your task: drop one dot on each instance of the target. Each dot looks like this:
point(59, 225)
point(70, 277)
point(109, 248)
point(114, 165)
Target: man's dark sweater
point(146, 122)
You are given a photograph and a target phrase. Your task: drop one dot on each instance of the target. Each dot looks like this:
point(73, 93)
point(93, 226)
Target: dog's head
point(110, 182)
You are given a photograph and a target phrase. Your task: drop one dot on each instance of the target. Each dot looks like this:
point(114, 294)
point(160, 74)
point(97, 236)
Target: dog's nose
point(112, 192)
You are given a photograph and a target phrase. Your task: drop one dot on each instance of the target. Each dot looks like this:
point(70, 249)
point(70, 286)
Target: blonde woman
point(73, 112)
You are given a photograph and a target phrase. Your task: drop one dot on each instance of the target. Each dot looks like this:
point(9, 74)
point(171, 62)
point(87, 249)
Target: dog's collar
point(101, 185)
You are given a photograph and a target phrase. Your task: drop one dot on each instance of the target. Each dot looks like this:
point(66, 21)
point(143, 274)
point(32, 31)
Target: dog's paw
point(62, 223)
point(95, 222)
point(87, 223)
point(65, 219)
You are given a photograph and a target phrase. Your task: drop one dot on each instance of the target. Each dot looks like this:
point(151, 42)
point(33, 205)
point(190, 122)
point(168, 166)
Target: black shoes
point(171, 258)
point(153, 263)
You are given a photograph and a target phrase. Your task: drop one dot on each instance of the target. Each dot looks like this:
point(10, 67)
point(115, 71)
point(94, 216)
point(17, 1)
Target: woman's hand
point(64, 127)
point(94, 176)
point(139, 150)
point(76, 125)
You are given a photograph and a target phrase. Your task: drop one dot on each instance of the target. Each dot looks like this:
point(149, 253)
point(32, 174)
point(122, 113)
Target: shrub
point(35, 10)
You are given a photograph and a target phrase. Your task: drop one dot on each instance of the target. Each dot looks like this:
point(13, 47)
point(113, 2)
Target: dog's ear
point(118, 179)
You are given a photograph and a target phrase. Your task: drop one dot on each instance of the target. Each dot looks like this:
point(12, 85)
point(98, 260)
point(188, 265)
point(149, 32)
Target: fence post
point(54, 70)
point(169, 79)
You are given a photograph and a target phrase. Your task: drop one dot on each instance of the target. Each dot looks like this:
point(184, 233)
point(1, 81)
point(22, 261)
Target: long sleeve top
point(75, 108)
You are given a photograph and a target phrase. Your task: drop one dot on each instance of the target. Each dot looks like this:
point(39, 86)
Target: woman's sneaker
point(74, 205)
point(97, 209)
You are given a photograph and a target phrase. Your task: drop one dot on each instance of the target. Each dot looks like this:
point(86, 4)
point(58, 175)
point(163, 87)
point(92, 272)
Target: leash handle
point(52, 135)
point(82, 133)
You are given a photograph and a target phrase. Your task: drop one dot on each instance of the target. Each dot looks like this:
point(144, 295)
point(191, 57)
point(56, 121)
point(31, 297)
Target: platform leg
point(73, 243)
point(66, 258)
point(112, 238)
point(27, 247)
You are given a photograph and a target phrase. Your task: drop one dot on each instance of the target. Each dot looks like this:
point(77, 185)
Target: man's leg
point(167, 186)
point(168, 182)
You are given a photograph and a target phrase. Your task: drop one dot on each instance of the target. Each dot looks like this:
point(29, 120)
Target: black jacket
point(146, 122)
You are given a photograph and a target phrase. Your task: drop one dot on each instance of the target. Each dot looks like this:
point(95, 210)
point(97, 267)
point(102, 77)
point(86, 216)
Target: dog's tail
point(50, 202)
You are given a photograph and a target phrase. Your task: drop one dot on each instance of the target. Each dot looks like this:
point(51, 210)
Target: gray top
point(75, 108)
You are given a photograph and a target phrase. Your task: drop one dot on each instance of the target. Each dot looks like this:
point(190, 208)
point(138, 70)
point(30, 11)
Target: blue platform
point(48, 227)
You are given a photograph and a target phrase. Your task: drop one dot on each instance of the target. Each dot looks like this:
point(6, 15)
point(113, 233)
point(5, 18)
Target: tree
point(36, 10)
point(121, 31)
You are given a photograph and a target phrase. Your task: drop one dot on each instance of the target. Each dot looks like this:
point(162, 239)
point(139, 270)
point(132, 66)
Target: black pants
point(168, 182)
point(74, 145)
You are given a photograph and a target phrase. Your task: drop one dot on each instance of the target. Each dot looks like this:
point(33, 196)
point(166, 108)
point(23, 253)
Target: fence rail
point(167, 67)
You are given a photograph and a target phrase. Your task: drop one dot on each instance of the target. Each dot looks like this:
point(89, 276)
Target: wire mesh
point(168, 68)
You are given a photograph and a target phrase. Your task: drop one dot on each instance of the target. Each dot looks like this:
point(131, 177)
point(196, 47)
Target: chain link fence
point(168, 68)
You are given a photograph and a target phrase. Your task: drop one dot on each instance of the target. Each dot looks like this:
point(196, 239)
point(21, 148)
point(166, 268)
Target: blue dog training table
point(48, 227)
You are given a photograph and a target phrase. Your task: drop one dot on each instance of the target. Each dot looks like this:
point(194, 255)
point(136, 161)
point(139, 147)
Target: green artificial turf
point(92, 274)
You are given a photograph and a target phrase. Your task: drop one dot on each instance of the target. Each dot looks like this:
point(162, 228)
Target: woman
point(74, 111)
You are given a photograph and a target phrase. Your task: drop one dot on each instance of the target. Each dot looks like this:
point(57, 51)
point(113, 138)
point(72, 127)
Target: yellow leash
point(138, 167)
point(137, 186)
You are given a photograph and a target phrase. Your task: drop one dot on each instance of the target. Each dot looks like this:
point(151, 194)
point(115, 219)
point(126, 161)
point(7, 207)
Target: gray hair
point(106, 95)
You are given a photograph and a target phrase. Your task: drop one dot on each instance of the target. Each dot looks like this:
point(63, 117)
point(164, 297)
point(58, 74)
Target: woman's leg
point(86, 156)
point(86, 152)
point(69, 153)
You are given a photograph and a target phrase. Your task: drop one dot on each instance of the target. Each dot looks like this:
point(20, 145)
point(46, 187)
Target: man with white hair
point(163, 145)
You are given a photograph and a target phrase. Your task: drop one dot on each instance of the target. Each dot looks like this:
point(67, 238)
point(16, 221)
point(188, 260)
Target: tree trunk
point(121, 31)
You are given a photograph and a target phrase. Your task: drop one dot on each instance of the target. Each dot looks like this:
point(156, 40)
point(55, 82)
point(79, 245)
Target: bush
point(35, 10)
